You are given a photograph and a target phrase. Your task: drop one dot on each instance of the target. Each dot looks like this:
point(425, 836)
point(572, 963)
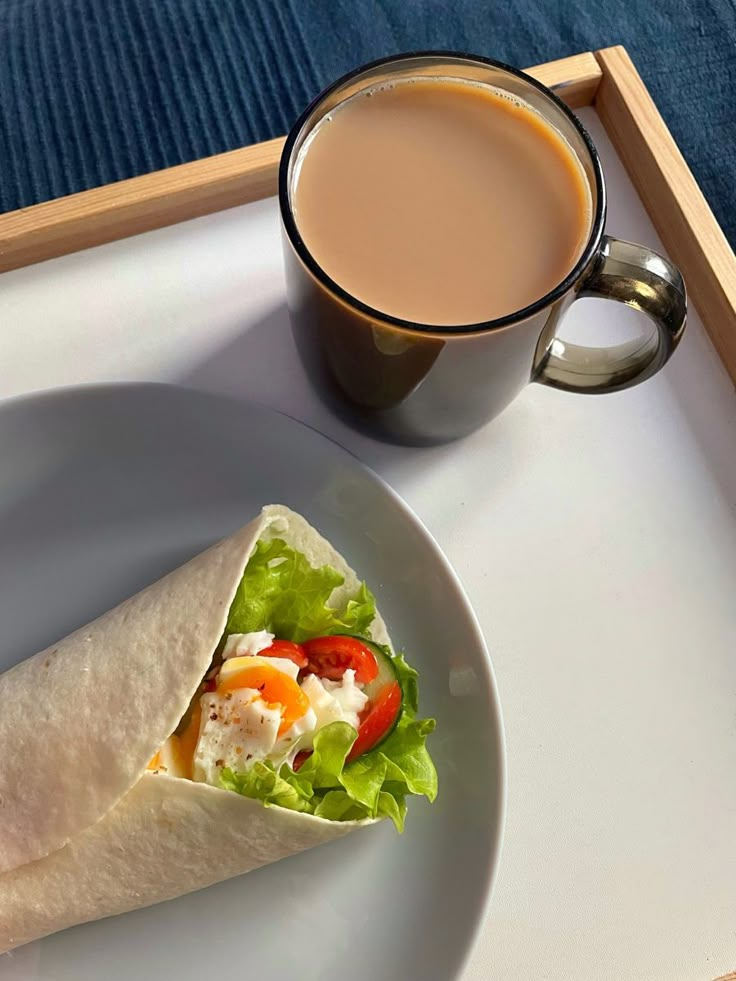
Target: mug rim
point(550, 297)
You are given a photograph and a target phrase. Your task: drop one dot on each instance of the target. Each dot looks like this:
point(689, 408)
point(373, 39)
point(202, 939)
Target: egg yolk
point(188, 739)
point(180, 748)
point(277, 689)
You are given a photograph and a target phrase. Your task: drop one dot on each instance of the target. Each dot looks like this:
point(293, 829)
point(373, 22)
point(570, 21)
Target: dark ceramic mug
point(418, 383)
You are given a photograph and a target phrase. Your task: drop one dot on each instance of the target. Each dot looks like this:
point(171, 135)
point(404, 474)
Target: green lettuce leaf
point(261, 782)
point(393, 806)
point(408, 680)
point(331, 745)
point(282, 593)
point(408, 762)
point(373, 786)
point(336, 805)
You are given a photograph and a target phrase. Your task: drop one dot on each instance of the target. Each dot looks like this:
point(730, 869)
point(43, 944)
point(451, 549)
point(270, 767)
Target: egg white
point(234, 731)
point(240, 645)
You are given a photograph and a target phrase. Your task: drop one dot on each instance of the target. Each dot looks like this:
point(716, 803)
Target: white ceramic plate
point(102, 490)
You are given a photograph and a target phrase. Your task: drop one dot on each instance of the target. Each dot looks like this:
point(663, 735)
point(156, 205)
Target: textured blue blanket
point(93, 91)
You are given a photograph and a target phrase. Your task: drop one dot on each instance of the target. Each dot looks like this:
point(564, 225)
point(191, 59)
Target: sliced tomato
point(330, 657)
point(377, 720)
point(301, 757)
point(287, 648)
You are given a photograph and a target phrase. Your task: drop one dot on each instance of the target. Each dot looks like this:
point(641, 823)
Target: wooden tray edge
point(190, 190)
point(688, 228)
point(606, 79)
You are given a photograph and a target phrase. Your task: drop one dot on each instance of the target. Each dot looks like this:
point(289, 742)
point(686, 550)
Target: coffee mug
point(419, 383)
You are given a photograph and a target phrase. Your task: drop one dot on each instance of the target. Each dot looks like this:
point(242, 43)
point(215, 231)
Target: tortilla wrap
point(86, 831)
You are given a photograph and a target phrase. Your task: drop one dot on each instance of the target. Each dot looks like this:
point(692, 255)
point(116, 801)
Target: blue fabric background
point(93, 91)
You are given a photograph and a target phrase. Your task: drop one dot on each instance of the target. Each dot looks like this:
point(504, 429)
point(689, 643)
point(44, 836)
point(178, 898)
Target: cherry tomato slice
point(301, 757)
point(377, 719)
point(287, 648)
point(330, 657)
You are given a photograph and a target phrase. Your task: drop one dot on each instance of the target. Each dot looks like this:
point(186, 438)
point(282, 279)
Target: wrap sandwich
point(243, 708)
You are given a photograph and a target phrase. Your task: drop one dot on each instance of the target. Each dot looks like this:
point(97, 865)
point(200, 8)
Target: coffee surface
point(441, 202)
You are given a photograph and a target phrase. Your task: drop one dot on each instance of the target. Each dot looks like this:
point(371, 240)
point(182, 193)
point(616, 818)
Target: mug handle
point(642, 279)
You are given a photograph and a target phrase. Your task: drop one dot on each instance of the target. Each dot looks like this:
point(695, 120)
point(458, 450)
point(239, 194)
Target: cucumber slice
point(386, 676)
point(386, 668)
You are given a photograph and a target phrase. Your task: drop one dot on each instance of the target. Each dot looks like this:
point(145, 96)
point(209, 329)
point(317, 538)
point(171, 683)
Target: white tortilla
point(165, 838)
point(85, 832)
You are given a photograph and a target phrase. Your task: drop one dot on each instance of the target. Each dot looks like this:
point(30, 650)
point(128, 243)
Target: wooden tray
point(606, 79)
